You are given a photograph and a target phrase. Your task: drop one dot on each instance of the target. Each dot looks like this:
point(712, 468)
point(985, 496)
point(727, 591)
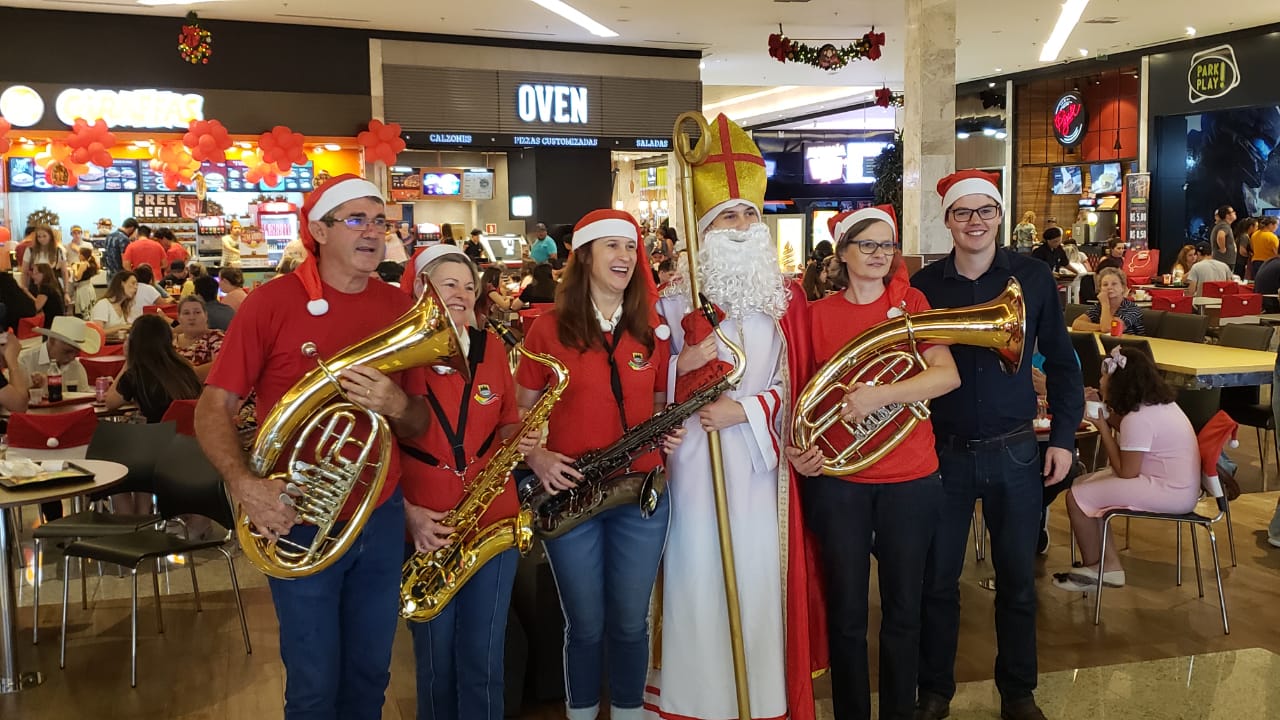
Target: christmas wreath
point(827, 56)
point(195, 44)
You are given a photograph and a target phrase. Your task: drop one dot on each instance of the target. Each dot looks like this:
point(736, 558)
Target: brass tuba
point(430, 580)
point(887, 353)
point(316, 418)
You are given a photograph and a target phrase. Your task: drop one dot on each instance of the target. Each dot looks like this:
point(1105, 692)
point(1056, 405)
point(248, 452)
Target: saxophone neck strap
point(457, 436)
point(615, 377)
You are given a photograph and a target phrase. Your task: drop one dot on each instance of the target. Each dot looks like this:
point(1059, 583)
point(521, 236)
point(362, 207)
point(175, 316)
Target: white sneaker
point(1273, 541)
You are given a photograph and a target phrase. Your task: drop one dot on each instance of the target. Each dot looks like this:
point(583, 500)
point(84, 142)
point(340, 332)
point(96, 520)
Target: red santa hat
point(617, 223)
point(968, 182)
point(422, 258)
point(321, 201)
point(840, 224)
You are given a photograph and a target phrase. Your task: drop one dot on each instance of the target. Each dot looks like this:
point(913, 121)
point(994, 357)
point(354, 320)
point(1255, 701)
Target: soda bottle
point(53, 383)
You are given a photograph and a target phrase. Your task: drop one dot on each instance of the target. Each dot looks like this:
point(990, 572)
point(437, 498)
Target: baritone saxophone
point(430, 580)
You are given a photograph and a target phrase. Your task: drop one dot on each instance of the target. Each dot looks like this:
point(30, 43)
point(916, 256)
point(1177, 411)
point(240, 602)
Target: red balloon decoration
point(260, 171)
point(175, 164)
point(91, 143)
point(208, 140)
point(282, 147)
point(382, 141)
point(5, 127)
point(4, 235)
point(60, 169)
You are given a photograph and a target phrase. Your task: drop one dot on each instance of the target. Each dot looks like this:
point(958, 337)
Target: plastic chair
point(1181, 304)
point(133, 446)
point(186, 484)
point(1212, 439)
point(1137, 343)
point(1219, 288)
point(1241, 304)
point(1185, 327)
point(1086, 347)
point(102, 366)
point(183, 413)
point(1152, 320)
point(27, 326)
point(1172, 294)
point(1073, 311)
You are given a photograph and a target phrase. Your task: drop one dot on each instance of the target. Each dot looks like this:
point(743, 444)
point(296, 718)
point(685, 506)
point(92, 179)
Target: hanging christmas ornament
point(195, 43)
point(886, 97)
point(827, 56)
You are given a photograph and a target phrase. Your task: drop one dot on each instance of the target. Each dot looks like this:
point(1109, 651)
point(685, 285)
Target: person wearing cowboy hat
point(336, 625)
point(987, 449)
point(64, 341)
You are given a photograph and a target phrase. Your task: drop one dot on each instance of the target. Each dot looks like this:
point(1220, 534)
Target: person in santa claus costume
point(336, 625)
point(766, 315)
point(987, 449)
point(889, 508)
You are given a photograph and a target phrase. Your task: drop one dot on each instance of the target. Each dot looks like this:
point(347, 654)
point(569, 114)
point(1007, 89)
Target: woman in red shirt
point(889, 508)
point(459, 653)
point(603, 330)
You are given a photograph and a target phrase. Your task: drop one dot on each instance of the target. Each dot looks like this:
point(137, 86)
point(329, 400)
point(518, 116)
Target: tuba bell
point(329, 456)
point(888, 353)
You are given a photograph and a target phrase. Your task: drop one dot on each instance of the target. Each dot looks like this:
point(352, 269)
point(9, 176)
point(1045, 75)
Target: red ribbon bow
point(779, 47)
point(884, 96)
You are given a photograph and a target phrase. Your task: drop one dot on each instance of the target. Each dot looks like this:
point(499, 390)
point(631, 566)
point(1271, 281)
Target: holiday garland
point(825, 57)
point(195, 44)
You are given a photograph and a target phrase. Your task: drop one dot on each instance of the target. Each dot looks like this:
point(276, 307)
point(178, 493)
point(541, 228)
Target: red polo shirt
point(147, 251)
point(836, 321)
point(586, 418)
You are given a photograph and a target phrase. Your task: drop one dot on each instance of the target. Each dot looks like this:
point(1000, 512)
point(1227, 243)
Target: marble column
point(929, 133)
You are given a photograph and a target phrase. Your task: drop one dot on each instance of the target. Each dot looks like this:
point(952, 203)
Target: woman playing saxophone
point(602, 329)
point(459, 653)
point(887, 509)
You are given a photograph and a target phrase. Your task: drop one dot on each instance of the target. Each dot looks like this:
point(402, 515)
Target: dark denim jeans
point(605, 569)
point(336, 627)
point(459, 654)
point(1007, 477)
point(895, 522)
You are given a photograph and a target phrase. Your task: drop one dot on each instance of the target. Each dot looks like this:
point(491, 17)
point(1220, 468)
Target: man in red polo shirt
point(144, 250)
point(336, 625)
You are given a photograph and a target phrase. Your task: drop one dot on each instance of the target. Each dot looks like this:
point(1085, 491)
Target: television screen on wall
point(859, 161)
point(1106, 178)
point(1066, 180)
point(824, 163)
point(441, 182)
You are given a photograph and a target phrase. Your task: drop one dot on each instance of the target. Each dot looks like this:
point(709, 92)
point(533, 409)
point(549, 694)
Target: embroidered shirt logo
point(638, 363)
point(484, 395)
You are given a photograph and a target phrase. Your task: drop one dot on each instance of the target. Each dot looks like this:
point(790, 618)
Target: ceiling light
point(1084, 53)
point(576, 17)
point(332, 147)
point(1001, 135)
point(989, 131)
point(245, 145)
point(1071, 12)
point(999, 69)
point(991, 84)
point(962, 135)
point(1191, 32)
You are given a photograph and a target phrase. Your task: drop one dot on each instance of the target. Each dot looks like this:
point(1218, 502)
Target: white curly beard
point(739, 272)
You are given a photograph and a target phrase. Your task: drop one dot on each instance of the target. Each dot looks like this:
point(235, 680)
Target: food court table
point(1201, 366)
point(105, 475)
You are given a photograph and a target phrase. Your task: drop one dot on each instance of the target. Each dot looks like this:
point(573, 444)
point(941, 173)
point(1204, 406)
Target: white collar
point(611, 323)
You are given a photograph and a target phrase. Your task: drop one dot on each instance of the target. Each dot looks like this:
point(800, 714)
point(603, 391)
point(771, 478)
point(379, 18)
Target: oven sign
point(561, 104)
point(1213, 73)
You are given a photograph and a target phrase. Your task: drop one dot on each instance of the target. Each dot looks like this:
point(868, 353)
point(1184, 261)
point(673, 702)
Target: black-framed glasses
point(986, 212)
point(869, 247)
point(360, 223)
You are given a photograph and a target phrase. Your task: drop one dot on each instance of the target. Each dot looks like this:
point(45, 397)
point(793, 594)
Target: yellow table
point(1201, 366)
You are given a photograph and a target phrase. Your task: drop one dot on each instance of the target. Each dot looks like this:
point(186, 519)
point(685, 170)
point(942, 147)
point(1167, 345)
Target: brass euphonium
point(316, 418)
point(430, 580)
point(887, 353)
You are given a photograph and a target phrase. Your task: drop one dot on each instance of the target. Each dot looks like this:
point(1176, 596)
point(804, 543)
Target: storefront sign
point(164, 207)
point(653, 143)
point(1213, 73)
point(450, 138)
point(1070, 119)
point(555, 141)
point(130, 108)
point(561, 104)
point(1137, 209)
point(434, 140)
point(21, 106)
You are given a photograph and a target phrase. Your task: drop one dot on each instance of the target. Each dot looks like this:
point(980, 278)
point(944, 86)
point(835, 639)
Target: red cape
point(806, 620)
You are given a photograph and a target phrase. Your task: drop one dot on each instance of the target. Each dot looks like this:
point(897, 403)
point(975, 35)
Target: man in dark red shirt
point(144, 250)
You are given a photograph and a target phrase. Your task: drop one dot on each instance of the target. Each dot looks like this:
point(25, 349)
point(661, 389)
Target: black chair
point(1088, 289)
point(1073, 311)
point(185, 484)
point(1152, 320)
point(132, 445)
point(1183, 326)
point(1086, 347)
point(1110, 342)
point(1244, 403)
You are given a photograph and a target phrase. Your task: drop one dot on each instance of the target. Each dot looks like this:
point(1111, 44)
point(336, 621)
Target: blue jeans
point(336, 627)
point(459, 653)
point(1008, 479)
point(853, 521)
point(605, 569)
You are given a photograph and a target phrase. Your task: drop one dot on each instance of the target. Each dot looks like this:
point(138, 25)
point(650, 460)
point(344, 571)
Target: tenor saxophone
point(604, 485)
point(430, 580)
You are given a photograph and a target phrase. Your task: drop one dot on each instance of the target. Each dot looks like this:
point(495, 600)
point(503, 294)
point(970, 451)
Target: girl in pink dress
point(1154, 463)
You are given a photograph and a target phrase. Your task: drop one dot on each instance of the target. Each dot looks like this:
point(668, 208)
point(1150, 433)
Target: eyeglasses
point(986, 212)
point(869, 247)
point(359, 223)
